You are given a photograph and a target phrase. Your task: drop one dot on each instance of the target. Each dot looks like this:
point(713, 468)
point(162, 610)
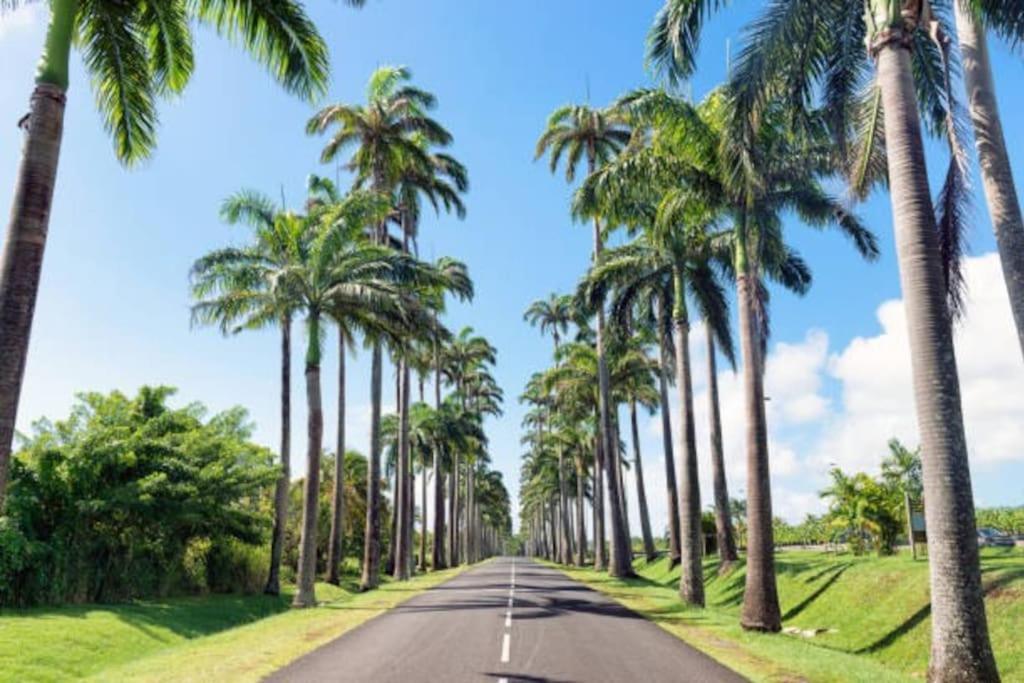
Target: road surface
point(508, 621)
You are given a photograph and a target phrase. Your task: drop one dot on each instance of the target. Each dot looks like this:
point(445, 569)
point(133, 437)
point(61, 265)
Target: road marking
point(506, 641)
point(508, 619)
point(502, 680)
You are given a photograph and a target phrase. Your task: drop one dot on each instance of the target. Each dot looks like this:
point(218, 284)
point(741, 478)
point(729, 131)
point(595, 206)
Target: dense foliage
point(130, 497)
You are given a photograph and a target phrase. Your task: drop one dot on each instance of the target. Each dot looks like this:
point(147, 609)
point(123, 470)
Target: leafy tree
point(129, 497)
point(134, 53)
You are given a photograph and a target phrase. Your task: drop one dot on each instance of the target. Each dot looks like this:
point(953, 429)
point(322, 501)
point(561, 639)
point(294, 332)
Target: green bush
point(131, 498)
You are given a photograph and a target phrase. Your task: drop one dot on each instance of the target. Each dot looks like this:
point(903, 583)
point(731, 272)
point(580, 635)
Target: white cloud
point(24, 17)
point(841, 406)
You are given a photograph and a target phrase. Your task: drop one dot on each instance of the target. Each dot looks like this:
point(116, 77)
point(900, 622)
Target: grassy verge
point(870, 615)
point(217, 637)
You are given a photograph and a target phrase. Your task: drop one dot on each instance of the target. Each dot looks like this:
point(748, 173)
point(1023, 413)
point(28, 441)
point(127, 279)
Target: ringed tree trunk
point(423, 521)
point(620, 564)
point(600, 555)
point(691, 579)
point(760, 594)
point(581, 529)
point(666, 438)
point(29, 224)
point(306, 596)
point(563, 511)
point(996, 173)
point(273, 586)
point(438, 549)
point(371, 548)
point(453, 512)
point(960, 644)
point(402, 503)
point(335, 546)
point(723, 524)
point(620, 467)
point(641, 495)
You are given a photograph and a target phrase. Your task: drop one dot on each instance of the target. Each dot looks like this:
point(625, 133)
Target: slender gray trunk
point(641, 495)
point(438, 548)
point(581, 529)
point(600, 549)
point(23, 254)
point(371, 548)
point(401, 538)
point(273, 586)
point(993, 158)
point(336, 543)
point(306, 596)
point(691, 580)
point(723, 523)
point(453, 512)
point(960, 644)
point(666, 436)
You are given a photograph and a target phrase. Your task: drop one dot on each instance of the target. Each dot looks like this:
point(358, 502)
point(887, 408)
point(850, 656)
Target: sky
point(113, 309)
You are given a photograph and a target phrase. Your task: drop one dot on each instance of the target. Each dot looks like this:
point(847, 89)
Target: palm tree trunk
point(453, 513)
point(371, 546)
point(423, 521)
point(27, 230)
point(305, 596)
point(438, 549)
point(581, 529)
point(641, 495)
point(723, 524)
point(691, 579)
point(620, 467)
point(666, 437)
point(334, 547)
point(996, 173)
point(600, 555)
point(621, 556)
point(401, 538)
point(960, 644)
point(760, 595)
point(273, 586)
point(563, 511)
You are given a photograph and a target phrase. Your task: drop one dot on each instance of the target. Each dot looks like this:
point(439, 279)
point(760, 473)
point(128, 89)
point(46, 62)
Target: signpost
point(916, 532)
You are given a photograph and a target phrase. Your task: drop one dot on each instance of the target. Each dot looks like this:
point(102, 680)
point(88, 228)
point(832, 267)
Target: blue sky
point(113, 309)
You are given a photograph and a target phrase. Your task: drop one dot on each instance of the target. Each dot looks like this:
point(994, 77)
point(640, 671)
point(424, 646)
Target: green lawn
point(211, 638)
point(875, 610)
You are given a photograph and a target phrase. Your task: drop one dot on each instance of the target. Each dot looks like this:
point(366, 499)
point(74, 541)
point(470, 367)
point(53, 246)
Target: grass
point(875, 611)
point(216, 637)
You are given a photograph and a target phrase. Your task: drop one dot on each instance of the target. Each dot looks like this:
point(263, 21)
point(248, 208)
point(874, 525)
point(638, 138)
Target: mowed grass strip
point(870, 616)
point(215, 637)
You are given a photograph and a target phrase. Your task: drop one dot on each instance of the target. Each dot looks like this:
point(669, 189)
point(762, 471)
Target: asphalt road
point(508, 621)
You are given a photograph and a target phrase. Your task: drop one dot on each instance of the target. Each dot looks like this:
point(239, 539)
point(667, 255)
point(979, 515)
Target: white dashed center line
point(506, 641)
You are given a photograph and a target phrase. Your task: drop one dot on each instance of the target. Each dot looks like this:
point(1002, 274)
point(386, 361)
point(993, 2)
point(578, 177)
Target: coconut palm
point(235, 288)
point(134, 54)
point(579, 132)
point(900, 36)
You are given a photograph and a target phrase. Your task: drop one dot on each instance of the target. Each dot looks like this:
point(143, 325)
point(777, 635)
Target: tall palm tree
point(134, 53)
point(748, 179)
point(900, 35)
point(555, 314)
point(235, 288)
point(973, 19)
point(580, 132)
point(388, 135)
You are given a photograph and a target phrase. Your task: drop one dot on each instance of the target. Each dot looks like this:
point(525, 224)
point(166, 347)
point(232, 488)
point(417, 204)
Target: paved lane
point(508, 621)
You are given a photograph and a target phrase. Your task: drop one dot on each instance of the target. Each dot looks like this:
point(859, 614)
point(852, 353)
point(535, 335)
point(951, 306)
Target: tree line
point(704, 194)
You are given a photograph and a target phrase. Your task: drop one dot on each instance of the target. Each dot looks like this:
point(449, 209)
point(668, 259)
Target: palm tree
point(555, 314)
point(900, 36)
point(134, 53)
point(996, 174)
point(390, 134)
point(235, 288)
point(748, 178)
point(578, 132)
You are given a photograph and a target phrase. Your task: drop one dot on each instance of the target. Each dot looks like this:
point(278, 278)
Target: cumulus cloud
point(840, 406)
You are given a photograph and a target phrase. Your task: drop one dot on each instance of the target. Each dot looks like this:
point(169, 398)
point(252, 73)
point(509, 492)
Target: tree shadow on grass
point(817, 593)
